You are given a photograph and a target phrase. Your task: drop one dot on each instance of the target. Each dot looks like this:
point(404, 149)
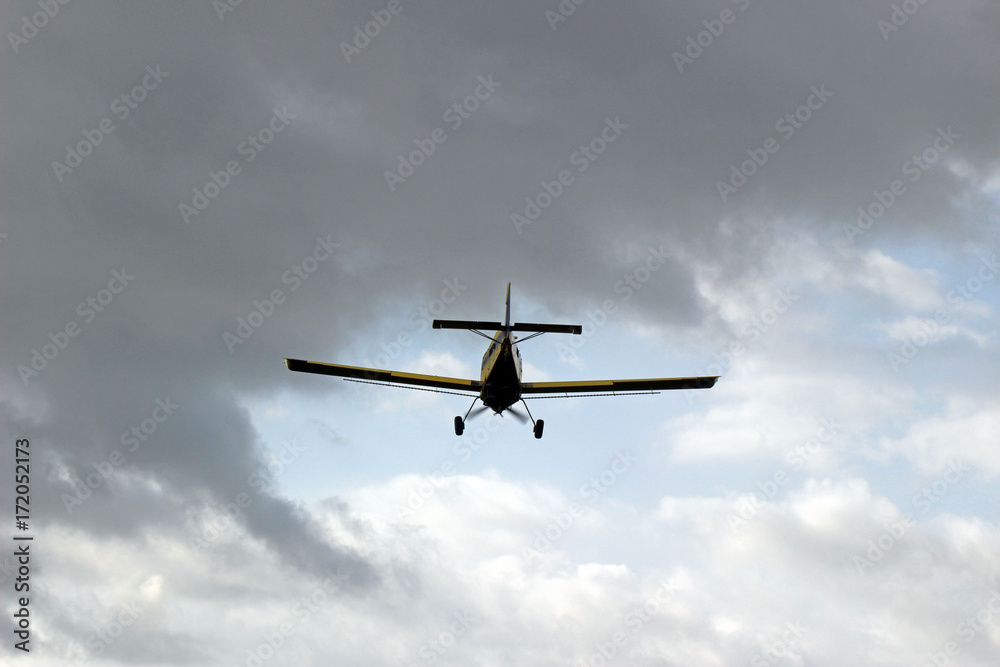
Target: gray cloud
point(322, 177)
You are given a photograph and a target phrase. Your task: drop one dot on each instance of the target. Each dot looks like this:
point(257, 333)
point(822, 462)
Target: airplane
point(499, 386)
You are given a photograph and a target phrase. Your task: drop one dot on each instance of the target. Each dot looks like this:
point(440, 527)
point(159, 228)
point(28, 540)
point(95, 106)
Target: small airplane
point(499, 386)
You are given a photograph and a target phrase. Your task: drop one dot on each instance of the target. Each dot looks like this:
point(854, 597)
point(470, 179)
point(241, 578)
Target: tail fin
point(506, 322)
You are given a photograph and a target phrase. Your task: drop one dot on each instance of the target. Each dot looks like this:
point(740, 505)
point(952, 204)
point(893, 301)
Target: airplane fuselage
point(501, 373)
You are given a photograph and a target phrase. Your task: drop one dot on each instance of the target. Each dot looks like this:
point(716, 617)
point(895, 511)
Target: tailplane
point(538, 328)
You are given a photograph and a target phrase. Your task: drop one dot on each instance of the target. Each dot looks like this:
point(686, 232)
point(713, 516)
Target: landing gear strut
point(538, 425)
point(460, 421)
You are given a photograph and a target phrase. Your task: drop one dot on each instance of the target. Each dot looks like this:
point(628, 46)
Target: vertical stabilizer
point(506, 322)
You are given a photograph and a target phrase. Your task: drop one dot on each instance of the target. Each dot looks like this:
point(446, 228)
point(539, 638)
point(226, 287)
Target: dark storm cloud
point(156, 332)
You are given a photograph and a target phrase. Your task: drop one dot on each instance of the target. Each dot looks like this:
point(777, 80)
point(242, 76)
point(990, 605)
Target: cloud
point(299, 248)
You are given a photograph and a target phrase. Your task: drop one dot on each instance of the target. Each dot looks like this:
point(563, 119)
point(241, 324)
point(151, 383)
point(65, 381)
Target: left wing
point(645, 384)
point(380, 375)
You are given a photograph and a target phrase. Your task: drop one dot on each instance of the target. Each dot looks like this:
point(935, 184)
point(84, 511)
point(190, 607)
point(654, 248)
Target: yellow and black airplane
point(499, 386)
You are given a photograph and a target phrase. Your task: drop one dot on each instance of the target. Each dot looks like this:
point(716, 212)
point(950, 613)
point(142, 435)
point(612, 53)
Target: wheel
point(539, 425)
point(459, 426)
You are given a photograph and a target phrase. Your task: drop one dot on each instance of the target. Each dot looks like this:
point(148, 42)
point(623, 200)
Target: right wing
point(380, 375)
point(644, 384)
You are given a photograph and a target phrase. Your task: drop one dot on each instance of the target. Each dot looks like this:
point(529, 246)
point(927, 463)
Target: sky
point(801, 198)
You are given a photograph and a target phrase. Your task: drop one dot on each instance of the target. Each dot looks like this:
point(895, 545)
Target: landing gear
point(538, 424)
point(460, 421)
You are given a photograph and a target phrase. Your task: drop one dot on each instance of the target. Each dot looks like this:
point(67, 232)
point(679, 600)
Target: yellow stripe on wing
point(382, 375)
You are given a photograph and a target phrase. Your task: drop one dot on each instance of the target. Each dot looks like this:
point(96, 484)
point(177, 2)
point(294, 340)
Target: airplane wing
point(613, 386)
point(379, 375)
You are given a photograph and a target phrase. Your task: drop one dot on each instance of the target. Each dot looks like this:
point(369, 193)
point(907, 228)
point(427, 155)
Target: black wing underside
point(615, 386)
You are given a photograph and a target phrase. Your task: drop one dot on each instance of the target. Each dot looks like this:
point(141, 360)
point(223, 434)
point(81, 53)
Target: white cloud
point(910, 288)
point(457, 587)
point(929, 330)
point(965, 430)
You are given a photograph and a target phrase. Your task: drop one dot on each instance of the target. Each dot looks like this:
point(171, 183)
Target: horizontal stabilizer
point(497, 326)
point(547, 328)
point(466, 324)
